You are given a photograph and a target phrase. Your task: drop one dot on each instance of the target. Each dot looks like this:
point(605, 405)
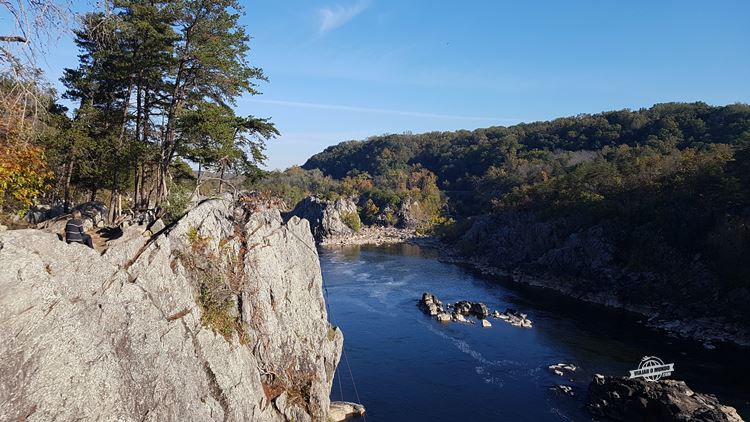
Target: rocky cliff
point(217, 317)
point(327, 218)
point(603, 264)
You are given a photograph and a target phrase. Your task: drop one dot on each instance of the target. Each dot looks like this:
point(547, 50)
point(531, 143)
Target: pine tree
point(213, 137)
point(211, 66)
point(160, 77)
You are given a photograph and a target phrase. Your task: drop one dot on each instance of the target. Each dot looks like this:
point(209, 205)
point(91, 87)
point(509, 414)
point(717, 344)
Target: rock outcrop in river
point(431, 305)
point(218, 317)
point(623, 399)
point(466, 308)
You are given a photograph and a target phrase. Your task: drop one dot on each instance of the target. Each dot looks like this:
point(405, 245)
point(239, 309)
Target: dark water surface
point(409, 367)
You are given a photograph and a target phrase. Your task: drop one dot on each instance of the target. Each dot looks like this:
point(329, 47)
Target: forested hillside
point(625, 195)
point(463, 160)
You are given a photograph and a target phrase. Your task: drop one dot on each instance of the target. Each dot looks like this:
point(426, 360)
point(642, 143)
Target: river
point(409, 367)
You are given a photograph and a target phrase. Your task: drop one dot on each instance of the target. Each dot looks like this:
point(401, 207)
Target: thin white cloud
point(333, 17)
point(356, 109)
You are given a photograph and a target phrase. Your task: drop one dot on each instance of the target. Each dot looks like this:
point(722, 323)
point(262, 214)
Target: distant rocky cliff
point(218, 317)
point(337, 223)
point(332, 218)
point(599, 264)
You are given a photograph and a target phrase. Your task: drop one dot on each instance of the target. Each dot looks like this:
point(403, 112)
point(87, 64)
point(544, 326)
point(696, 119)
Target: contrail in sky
point(378, 110)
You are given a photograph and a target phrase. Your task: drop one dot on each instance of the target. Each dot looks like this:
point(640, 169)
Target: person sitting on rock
point(74, 232)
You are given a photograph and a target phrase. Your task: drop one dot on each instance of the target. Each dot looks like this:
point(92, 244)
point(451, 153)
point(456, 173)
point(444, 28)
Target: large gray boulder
point(344, 410)
point(623, 399)
point(220, 317)
point(327, 218)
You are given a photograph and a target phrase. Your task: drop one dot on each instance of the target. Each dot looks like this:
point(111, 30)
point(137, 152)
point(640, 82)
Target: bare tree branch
point(12, 38)
point(24, 92)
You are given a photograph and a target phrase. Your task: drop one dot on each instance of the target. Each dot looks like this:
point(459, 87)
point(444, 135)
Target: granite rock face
point(412, 215)
point(327, 218)
point(623, 399)
point(219, 317)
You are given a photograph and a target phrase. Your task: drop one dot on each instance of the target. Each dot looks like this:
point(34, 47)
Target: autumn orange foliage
point(24, 174)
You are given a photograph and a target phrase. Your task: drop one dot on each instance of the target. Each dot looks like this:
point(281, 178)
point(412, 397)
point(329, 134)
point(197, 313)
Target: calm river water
point(409, 367)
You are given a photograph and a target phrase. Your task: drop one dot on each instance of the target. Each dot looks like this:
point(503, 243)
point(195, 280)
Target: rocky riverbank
point(588, 263)
point(709, 330)
point(374, 235)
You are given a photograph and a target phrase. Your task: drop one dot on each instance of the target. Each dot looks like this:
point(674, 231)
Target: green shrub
point(369, 212)
point(216, 306)
point(215, 294)
point(439, 226)
point(352, 220)
point(177, 203)
point(193, 235)
point(390, 218)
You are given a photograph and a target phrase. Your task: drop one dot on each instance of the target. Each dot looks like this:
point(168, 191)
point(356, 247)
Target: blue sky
point(348, 69)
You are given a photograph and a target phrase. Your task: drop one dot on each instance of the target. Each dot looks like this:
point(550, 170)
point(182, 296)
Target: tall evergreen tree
point(149, 65)
point(211, 65)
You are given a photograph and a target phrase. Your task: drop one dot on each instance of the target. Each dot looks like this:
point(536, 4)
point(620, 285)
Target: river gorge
point(407, 366)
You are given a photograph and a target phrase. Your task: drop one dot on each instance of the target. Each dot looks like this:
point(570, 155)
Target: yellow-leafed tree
point(23, 174)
